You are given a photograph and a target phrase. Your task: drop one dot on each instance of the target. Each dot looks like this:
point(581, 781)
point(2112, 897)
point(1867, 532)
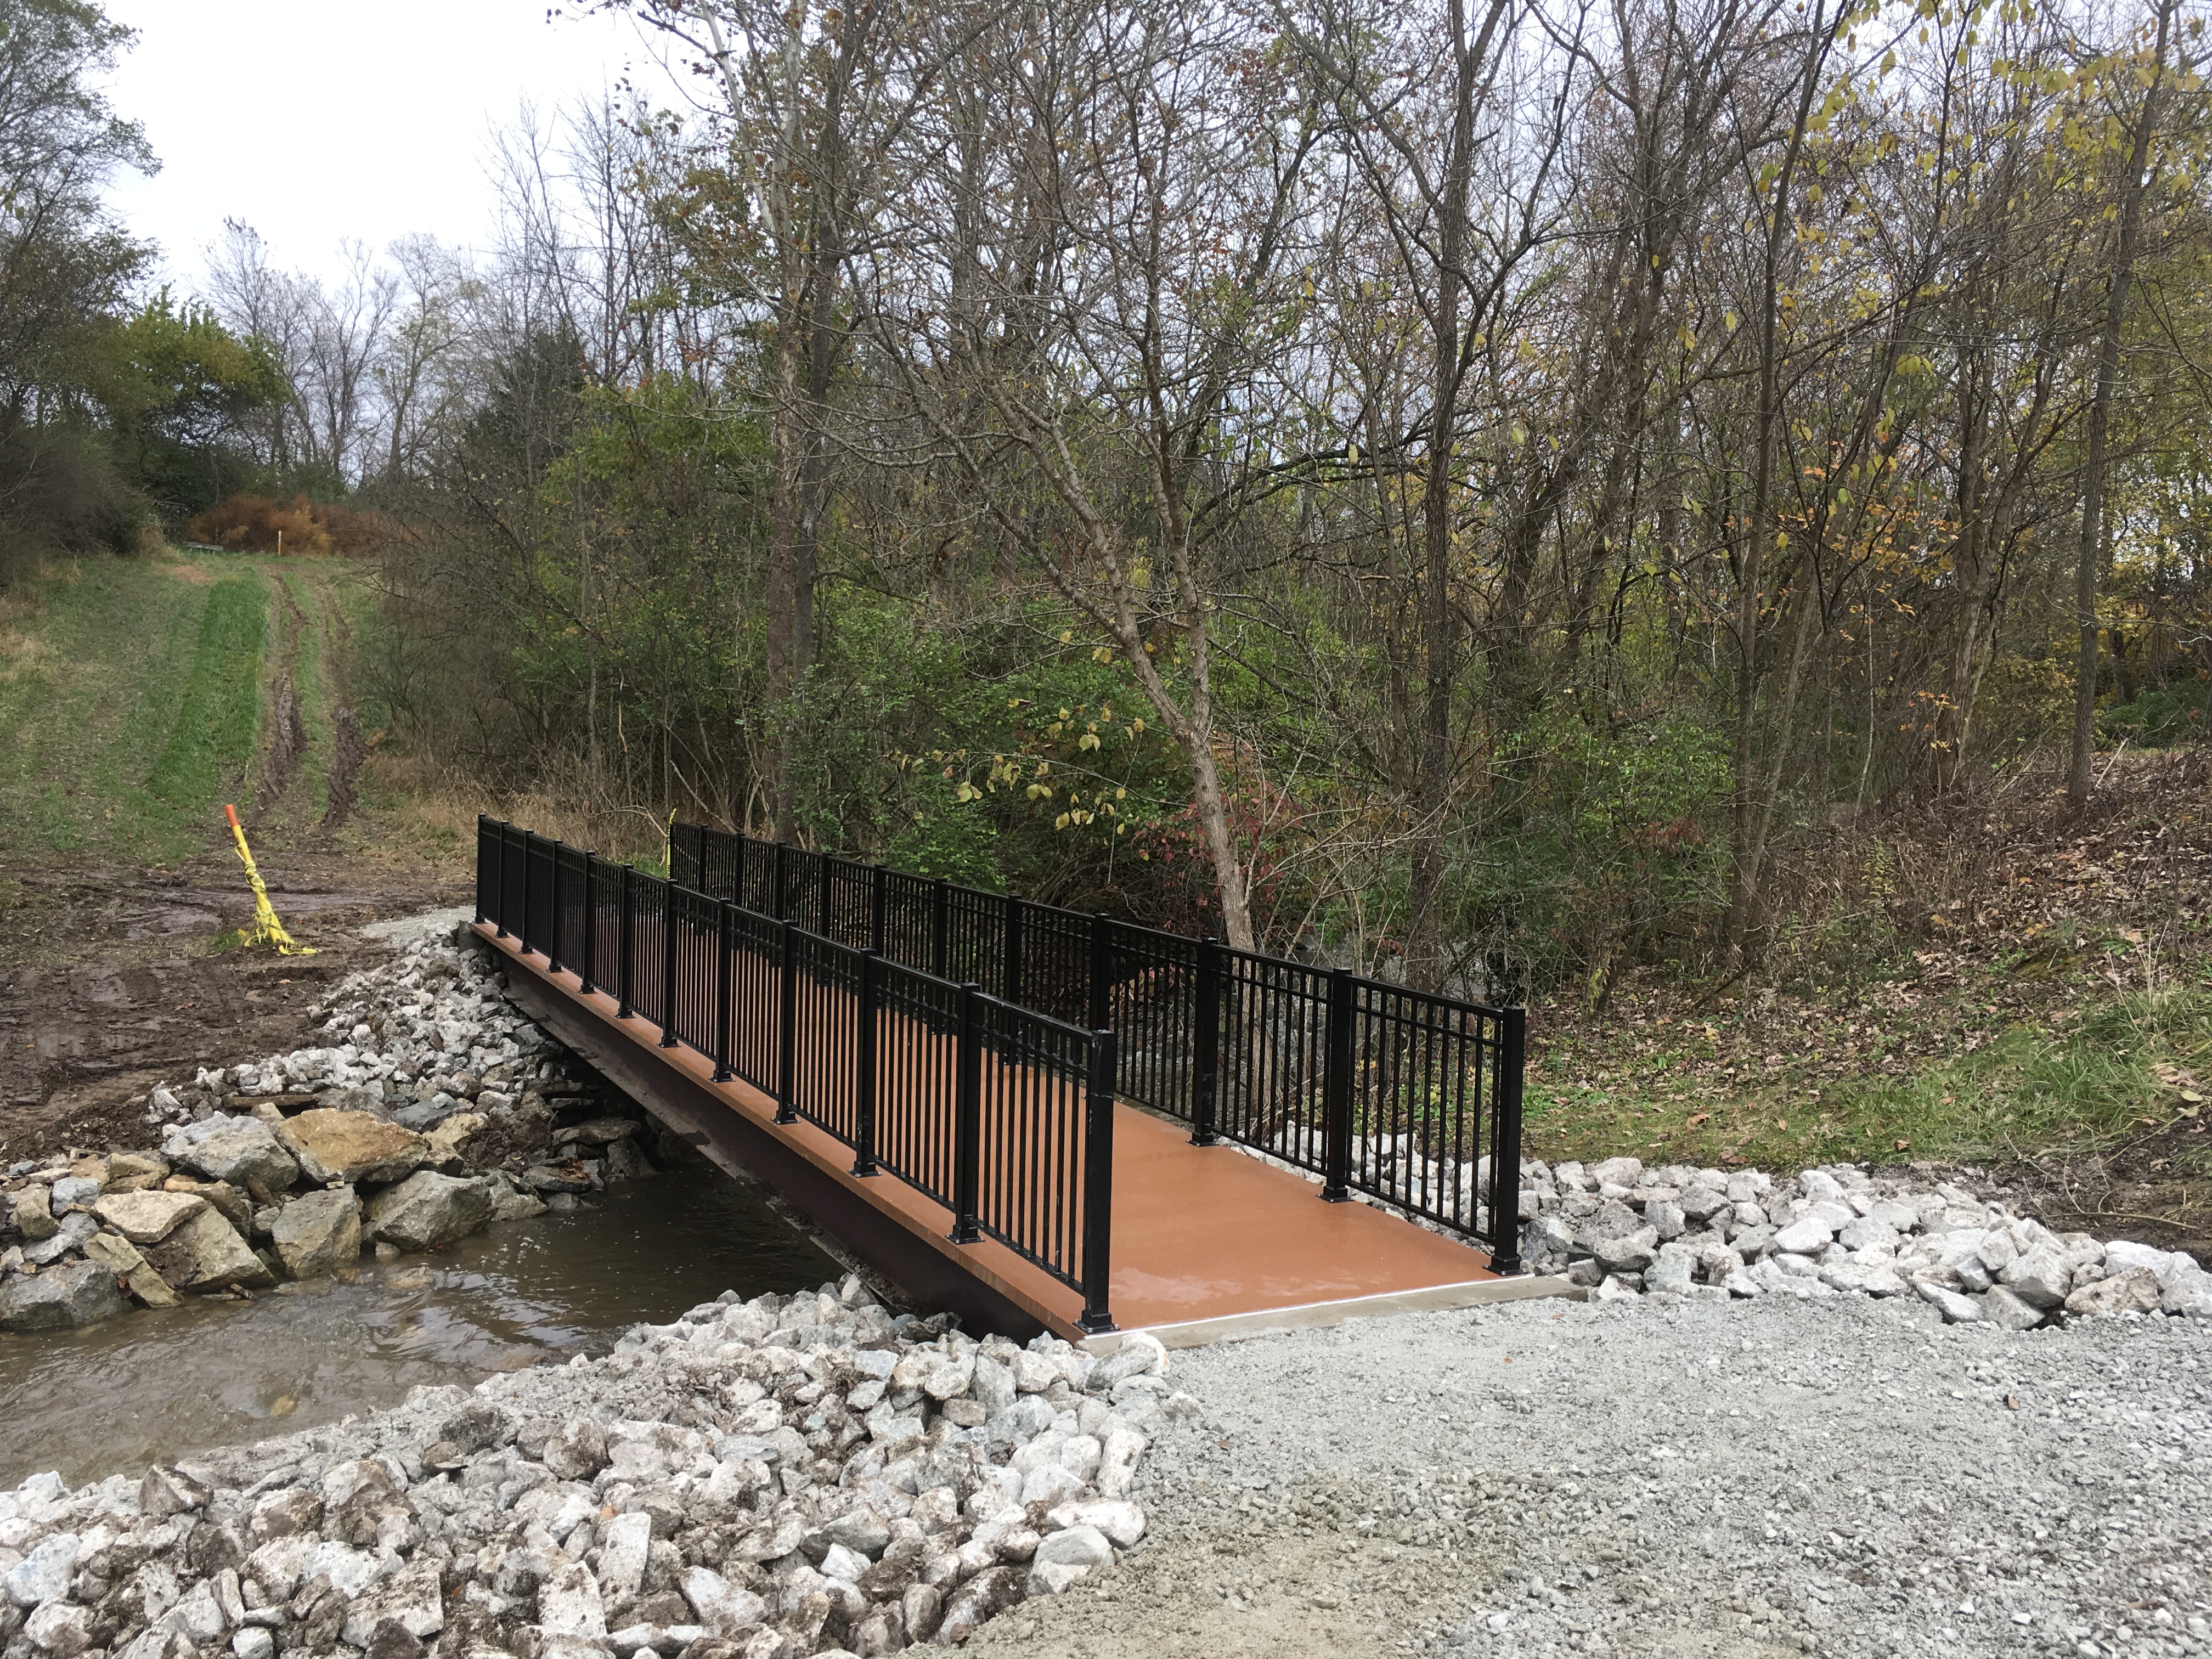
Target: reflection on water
point(154, 1385)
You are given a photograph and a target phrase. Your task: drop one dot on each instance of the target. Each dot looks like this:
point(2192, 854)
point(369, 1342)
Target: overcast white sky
point(314, 120)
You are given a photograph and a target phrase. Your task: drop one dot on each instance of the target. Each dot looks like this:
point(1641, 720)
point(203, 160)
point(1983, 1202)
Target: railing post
point(1506, 1146)
point(786, 1018)
point(782, 901)
point(668, 963)
point(864, 1071)
point(499, 879)
point(625, 948)
point(1009, 968)
point(724, 913)
point(878, 885)
point(940, 929)
point(738, 843)
point(1101, 972)
point(967, 1119)
point(1206, 1045)
point(553, 932)
point(484, 858)
point(1099, 1186)
point(523, 932)
point(588, 969)
point(1336, 1092)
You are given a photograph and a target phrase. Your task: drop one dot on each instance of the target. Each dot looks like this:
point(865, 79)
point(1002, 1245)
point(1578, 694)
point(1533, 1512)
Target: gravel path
point(1546, 1478)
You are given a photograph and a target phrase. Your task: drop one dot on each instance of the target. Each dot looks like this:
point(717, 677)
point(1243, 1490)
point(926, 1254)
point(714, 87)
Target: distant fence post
point(1505, 1144)
point(786, 1016)
point(625, 947)
point(668, 891)
point(724, 914)
point(1336, 1092)
point(1098, 1185)
point(968, 1118)
point(1010, 969)
point(588, 967)
point(1206, 1045)
point(864, 1070)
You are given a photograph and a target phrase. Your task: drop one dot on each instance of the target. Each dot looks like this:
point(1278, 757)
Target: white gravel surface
point(1843, 1476)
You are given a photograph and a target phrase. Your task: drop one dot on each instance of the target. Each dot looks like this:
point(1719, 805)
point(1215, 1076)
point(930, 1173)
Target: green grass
point(129, 706)
point(2126, 1067)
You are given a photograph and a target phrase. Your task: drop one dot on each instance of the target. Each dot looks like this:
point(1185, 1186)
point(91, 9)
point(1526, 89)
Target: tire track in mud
point(288, 726)
point(351, 750)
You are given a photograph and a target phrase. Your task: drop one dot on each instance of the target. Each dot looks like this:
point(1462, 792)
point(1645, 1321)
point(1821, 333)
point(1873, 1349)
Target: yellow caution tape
point(267, 930)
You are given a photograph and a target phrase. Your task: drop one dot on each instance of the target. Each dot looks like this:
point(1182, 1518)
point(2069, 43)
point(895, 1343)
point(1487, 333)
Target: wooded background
point(1490, 491)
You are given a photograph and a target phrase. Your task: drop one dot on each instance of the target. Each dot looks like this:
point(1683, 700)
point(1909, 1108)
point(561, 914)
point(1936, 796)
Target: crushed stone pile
point(1623, 1231)
point(762, 1479)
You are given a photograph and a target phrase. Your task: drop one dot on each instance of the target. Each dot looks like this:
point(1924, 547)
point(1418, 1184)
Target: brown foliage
point(254, 523)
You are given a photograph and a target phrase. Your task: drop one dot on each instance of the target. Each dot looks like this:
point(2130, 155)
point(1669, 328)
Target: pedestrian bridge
point(893, 1054)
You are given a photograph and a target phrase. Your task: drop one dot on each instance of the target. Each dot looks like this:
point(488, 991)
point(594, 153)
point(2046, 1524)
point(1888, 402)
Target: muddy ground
point(111, 980)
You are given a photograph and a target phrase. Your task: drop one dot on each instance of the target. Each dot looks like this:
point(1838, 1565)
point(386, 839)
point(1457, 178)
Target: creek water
point(151, 1385)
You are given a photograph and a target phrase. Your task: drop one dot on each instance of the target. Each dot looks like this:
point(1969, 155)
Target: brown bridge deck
point(1208, 1241)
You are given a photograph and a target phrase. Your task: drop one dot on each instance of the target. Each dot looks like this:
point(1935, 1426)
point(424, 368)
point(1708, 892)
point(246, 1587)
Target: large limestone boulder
point(242, 1150)
point(74, 1294)
point(318, 1233)
point(428, 1210)
point(120, 1257)
point(148, 1218)
point(446, 1142)
point(206, 1253)
point(33, 1213)
point(132, 1172)
point(351, 1146)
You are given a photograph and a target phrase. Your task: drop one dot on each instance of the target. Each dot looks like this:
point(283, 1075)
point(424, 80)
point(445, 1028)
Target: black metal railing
point(1375, 1089)
point(1002, 1114)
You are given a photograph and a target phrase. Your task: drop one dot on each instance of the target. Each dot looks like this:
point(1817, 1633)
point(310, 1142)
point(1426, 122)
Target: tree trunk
point(1428, 958)
point(2090, 555)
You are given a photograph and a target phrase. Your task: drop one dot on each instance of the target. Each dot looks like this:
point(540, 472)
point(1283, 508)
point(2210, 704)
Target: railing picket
point(1010, 967)
point(589, 967)
point(1098, 1184)
point(553, 932)
point(625, 947)
point(786, 1013)
point(1206, 1044)
point(1100, 986)
point(968, 1118)
point(725, 915)
point(1505, 1144)
point(864, 1070)
point(1336, 1090)
point(528, 858)
point(668, 964)
point(940, 923)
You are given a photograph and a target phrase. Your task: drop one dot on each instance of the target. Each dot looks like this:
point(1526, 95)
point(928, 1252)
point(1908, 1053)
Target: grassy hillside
point(130, 705)
point(137, 697)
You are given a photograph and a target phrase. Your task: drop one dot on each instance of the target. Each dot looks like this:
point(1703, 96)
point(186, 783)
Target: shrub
point(254, 523)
